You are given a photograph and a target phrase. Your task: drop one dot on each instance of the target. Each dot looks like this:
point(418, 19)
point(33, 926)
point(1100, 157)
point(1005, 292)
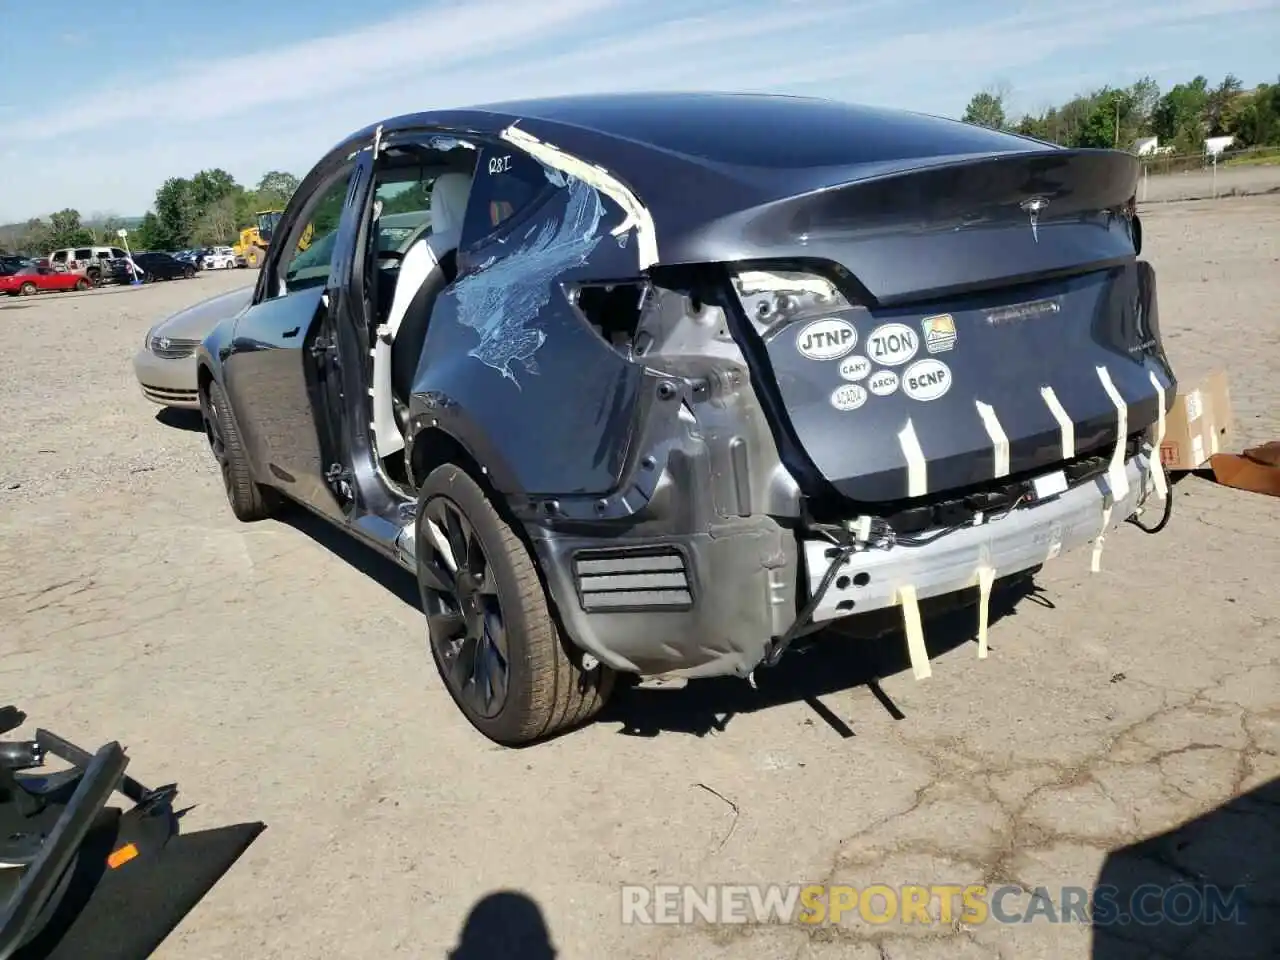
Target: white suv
point(91, 261)
point(220, 258)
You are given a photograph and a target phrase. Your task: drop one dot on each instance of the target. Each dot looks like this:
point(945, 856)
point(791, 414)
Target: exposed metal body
point(725, 327)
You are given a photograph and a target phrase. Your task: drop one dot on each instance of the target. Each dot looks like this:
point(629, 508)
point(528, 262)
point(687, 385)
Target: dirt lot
point(1204, 184)
point(278, 673)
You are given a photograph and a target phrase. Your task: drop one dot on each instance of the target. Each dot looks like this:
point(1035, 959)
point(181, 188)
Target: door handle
point(291, 333)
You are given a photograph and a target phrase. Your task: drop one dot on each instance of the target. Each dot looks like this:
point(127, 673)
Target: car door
point(270, 372)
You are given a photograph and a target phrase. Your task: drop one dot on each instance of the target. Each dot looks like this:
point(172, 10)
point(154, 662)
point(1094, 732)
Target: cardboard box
point(1199, 424)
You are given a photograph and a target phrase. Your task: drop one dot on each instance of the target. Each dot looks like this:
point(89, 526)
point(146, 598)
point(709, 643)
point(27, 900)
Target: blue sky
point(97, 109)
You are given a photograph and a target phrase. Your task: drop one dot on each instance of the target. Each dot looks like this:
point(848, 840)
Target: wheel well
point(204, 377)
point(434, 448)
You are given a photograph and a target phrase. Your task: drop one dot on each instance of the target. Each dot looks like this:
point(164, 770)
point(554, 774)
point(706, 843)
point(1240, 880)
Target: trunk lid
point(995, 312)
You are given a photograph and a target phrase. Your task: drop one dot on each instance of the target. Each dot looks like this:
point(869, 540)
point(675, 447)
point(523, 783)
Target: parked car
point(220, 258)
point(11, 262)
point(149, 267)
point(670, 380)
point(165, 365)
point(92, 261)
point(28, 280)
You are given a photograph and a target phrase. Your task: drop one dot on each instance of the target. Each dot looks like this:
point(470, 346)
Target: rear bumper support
point(1027, 537)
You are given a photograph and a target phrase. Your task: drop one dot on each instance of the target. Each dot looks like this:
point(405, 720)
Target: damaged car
point(668, 381)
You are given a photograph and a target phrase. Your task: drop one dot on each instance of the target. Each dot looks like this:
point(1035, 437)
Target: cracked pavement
point(1125, 728)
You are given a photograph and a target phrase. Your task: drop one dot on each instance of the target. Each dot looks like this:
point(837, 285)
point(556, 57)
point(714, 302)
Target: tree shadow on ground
point(1209, 888)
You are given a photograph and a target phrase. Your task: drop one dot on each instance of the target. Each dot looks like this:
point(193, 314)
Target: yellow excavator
point(254, 240)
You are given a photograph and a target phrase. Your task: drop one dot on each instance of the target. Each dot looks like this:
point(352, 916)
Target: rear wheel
point(253, 256)
point(249, 500)
point(188, 273)
point(83, 284)
point(493, 637)
point(28, 289)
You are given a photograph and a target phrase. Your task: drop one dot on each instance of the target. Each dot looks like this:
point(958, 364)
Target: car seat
point(429, 265)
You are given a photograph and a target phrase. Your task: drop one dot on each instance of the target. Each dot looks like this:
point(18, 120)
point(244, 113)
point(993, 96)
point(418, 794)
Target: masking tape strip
point(999, 440)
point(986, 577)
point(1116, 478)
point(1157, 467)
point(1065, 426)
point(1096, 564)
point(915, 633)
point(917, 469)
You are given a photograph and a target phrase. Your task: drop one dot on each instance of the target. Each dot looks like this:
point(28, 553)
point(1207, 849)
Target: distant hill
point(10, 233)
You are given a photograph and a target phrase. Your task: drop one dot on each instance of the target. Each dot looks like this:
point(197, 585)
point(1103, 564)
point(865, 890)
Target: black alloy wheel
point(464, 613)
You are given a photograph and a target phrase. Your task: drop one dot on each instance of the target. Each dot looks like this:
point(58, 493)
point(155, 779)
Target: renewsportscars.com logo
point(941, 904)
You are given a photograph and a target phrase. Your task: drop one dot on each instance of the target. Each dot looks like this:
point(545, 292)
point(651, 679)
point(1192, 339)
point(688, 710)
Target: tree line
point(1182, 117)
point(207, 209)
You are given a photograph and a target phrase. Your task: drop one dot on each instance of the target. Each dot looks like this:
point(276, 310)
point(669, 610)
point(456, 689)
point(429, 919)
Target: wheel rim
point(217, 444)
point(464, 615)
point(28, 289)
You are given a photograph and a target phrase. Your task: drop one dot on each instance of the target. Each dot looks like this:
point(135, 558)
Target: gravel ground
point(278, 672)
point(1204, 184)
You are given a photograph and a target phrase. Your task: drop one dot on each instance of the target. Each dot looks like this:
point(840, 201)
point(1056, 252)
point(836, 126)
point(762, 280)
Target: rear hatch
point(991, 320)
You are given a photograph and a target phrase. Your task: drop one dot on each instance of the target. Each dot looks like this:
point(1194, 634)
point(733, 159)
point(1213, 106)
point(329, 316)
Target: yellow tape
point(986, 577)
point(999, 440)
point(1116, 478)
point(1157, 468)
point(917, 469)
point(1096, 564)
point(915, 633)
point(1065, 426)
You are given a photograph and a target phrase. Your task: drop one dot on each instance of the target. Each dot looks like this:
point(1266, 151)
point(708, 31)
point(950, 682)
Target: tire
point(83, 284)
point(250, 501)
point(547, 691)
point(28, 290)
point(188, 273)
point(253, 256)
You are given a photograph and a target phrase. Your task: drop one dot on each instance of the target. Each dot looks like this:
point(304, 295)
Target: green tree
point(986, 109)
point(1178, 119)
point(150, 234)
point(1218, 105)
point(274, 189)
point(65, 230)
point(1254, 117)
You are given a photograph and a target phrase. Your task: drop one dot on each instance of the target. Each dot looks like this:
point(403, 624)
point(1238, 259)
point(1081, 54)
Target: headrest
point(449, 205)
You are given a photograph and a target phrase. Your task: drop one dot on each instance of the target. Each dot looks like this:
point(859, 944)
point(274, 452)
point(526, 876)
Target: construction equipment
point(254, 240)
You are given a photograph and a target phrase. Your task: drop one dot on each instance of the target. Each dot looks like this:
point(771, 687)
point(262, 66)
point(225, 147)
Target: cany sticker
point(855, 368)
point(883, 383)
point(892, 344)
point(850, 396)
point(826, 339)
point(939, 333)
point(926, 379)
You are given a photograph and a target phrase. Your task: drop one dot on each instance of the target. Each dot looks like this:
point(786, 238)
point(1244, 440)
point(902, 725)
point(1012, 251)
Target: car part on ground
point(79, 878)
point(721, 390)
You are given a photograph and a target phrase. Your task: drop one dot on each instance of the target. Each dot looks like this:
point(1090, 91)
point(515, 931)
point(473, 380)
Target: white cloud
point(436, 38)
point(921, 54)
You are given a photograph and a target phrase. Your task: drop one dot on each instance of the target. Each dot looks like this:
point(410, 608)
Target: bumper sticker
point(883, 383)
point(855, 368)
point(892, 344)
point(827, 339)
point(939, 333)
point(926, 380)
point(850, 396)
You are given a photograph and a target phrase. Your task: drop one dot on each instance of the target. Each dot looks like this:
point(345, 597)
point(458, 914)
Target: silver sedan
point(165, 365)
